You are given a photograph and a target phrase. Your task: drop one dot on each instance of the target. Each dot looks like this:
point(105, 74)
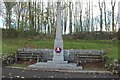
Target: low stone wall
point(69, 55)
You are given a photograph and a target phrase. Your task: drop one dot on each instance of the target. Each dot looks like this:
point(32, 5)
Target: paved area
point(21, 73)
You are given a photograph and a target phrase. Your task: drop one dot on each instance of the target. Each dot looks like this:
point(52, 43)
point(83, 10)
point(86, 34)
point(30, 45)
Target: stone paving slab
point(67, 71)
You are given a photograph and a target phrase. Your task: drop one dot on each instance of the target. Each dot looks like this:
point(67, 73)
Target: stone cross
point(58, 44)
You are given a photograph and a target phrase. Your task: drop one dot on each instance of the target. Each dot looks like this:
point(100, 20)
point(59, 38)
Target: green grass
point(96, 68)
point(111, 47)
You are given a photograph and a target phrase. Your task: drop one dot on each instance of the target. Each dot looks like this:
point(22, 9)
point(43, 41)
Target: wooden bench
point(83, 58)
point(28, 54)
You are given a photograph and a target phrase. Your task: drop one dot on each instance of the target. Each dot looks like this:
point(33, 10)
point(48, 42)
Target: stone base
point(57, 62)
point(55, 65)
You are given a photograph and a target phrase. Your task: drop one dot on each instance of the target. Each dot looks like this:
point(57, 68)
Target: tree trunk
point(26, 18)
point(48, 18)
point(105, 16)
point(81, 27)
point(113, 26)
point(100, 20)
point(22, 26)
point(41, 17)
point(18, 21)
point(80, 18)
point(35, 16)
point(100, 7)
point(113, 6)
point(70, 18)
point(38, 23)
point(30, 23)
point(92, 21)
point(65, 18)
point(38, 16)
point(31, 18)
point(9, 19)
point(89, 18)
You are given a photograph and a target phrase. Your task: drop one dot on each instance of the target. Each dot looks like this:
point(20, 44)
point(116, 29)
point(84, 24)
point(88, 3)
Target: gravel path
point(19, 73)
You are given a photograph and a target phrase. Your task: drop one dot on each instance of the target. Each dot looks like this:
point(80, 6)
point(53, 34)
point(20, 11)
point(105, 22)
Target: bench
point(83, 58)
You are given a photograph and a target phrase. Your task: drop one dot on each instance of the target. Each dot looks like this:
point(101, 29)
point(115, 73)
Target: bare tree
point(113, 2)
point(26, 16)
point(75, 18)
point(105, 15)
point(22, 16)
point(42, 16)
point(109, 13)
point(65, 16)
point(48, 16)
point(92, 21)
point(31, 17)
point(86, 18)
point(18, 13)
point(53, 19)
point(70, 17)
point(35, 14)
point(80, 7)
point(8, 6)
point(100, 7)
point(89, 17)
point(38, 16)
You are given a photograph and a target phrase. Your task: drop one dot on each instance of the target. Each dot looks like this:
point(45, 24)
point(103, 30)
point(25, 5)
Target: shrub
point(92, 36)
point(12, 33)
point(9, 33)
point(28, 33)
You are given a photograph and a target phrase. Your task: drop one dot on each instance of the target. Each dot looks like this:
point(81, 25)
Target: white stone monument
point(58, 56)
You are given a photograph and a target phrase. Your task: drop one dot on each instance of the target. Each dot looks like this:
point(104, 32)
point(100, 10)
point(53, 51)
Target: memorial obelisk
point(58, 44)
